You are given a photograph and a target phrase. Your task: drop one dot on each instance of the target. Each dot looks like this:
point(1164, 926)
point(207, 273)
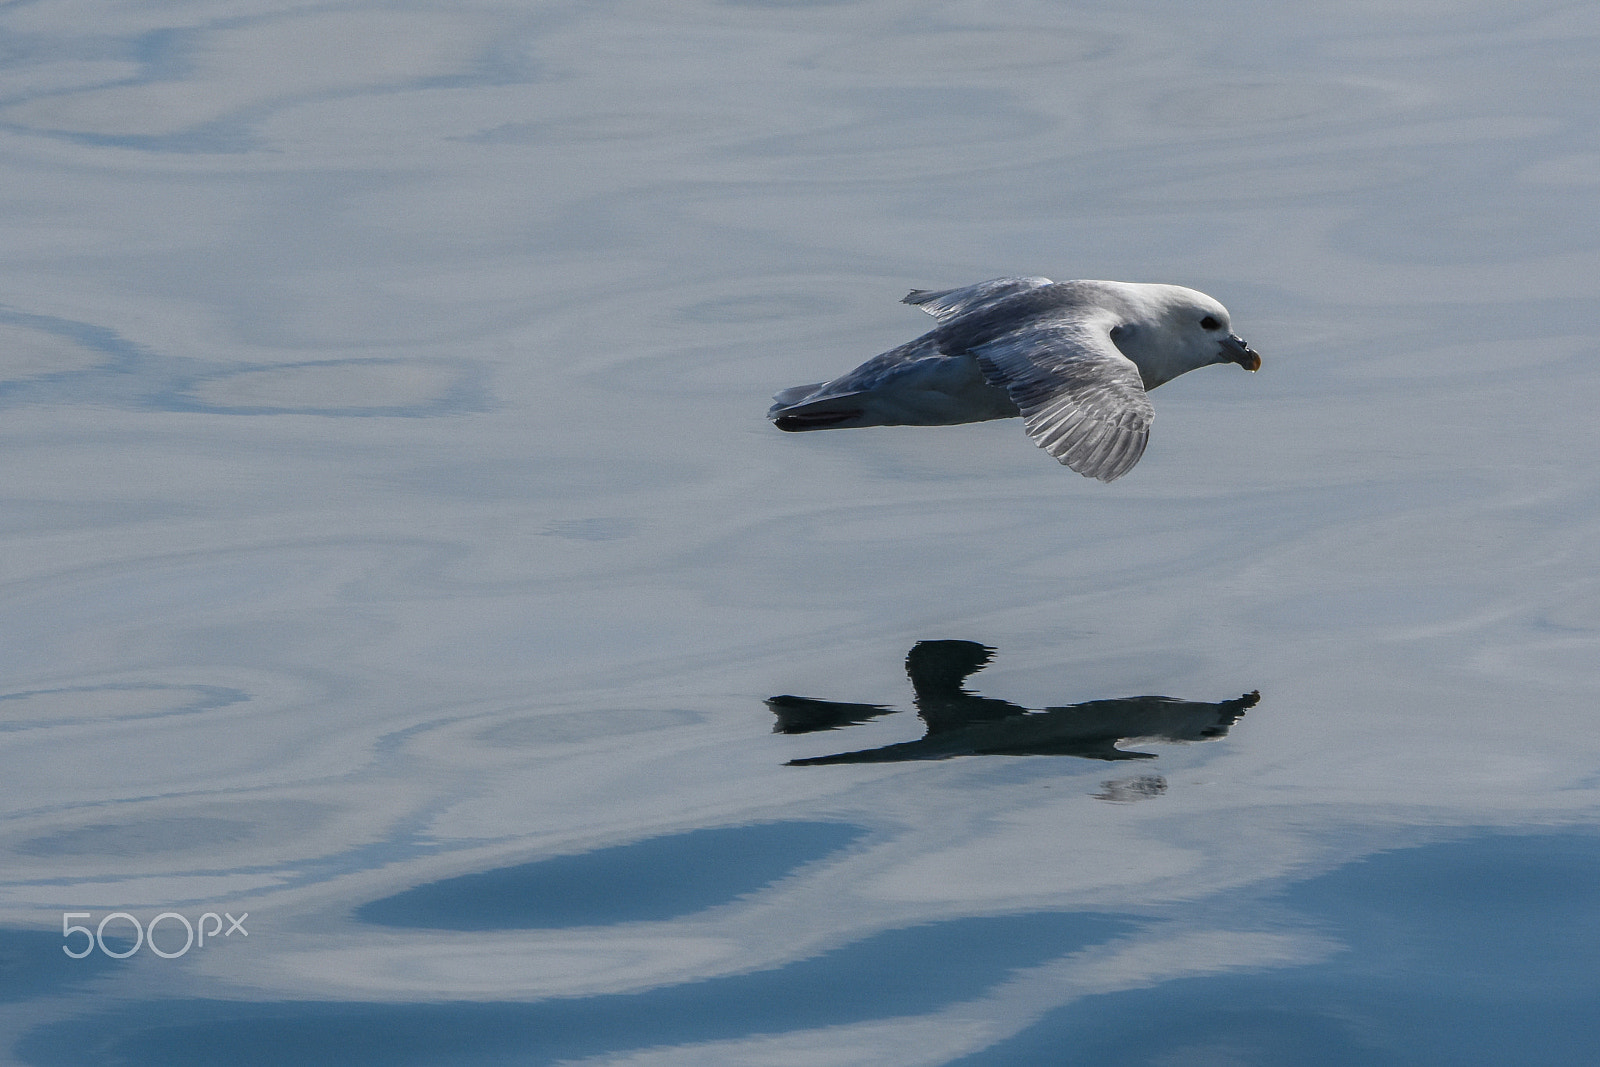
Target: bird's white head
point(1168, 330)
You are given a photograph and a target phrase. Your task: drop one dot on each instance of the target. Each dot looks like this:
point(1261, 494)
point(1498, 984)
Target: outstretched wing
point(1082, 400)
point(946, 304)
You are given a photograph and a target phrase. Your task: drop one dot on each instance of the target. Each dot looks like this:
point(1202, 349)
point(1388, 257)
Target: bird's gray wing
point(1082, 400)
point(946, 304)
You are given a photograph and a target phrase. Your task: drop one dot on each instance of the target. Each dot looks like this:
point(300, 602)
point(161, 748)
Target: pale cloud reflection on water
point(393, 547)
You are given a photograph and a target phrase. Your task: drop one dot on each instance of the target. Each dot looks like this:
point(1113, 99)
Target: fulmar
point(1074, 359)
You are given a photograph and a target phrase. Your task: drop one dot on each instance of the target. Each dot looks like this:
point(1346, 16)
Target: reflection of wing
point(937, 668)
point(1082, 400)
point(947, 304)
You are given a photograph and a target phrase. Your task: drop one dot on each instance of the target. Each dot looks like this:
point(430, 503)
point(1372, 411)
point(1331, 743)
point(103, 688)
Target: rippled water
point(394, 558)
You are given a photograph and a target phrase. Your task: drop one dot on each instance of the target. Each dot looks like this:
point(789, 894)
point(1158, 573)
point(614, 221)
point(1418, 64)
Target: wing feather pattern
point(1082, 400)
point(946, 304)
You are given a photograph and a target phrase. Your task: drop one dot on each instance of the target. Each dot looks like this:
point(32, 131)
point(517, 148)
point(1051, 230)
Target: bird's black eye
point(1210, 323)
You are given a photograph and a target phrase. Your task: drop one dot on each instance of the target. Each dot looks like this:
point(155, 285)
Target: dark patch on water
point(652, 880)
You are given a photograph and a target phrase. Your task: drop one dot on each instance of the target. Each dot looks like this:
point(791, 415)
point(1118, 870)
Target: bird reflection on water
point(962, 723)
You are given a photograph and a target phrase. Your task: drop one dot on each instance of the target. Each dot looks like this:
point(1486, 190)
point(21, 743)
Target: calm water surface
point(401, 587)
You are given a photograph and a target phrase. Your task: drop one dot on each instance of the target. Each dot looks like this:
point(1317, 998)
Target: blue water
point(657, 879)
point(1477, 951)
point(1445, 959)
point(403, 589)
point(896, 972)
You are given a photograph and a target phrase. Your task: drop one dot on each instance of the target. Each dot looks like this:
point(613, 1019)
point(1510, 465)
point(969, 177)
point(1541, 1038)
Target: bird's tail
point(815, 413)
